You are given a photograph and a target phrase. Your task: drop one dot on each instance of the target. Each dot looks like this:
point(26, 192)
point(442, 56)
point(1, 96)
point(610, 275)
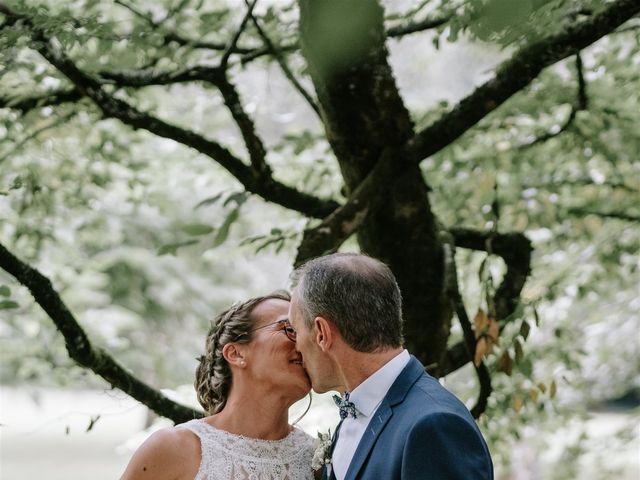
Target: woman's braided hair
point(213, 374)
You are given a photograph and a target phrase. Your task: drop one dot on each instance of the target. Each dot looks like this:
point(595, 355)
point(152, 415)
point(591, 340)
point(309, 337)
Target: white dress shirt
point(367, 397)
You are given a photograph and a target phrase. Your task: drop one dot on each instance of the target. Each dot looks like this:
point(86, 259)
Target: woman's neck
point(252, 415)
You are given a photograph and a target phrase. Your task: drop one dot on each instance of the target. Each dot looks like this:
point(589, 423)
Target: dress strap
point(196, 426)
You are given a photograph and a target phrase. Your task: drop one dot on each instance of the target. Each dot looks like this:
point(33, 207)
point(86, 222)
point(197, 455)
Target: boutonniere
point(322, 454)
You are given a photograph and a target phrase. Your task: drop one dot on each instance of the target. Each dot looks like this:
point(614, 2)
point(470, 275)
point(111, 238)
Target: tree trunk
point(364, 118)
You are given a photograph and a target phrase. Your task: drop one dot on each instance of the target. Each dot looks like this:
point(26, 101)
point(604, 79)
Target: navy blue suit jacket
point(421, 431)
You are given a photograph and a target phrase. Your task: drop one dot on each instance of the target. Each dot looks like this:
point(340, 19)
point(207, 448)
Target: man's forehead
point(293, 308)
point(293, 303)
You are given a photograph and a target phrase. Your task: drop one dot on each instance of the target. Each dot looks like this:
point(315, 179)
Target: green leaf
point(238, 197)
point(536, 316)
point(505, 364)
point(223, 232)
point(5, 291)
point(250, 240)
point(518, 350)
point(268, 242)
point(7, 304)
point(209, 201)
point(525, 329)
point(195, 229)
point(172, 248)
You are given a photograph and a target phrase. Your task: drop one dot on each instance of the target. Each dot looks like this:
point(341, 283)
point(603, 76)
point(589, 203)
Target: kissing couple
point(341, 330)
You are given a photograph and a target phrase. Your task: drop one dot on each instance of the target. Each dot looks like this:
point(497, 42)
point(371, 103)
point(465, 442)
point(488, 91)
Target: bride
point(248, 378)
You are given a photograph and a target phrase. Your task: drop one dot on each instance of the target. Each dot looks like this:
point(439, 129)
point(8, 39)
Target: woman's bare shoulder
point(168, 454)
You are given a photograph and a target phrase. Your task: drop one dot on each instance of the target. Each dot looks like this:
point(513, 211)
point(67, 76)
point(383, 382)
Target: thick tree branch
point(515, 249)
point(253, 180)
point(517, 73)
point(255, 147)
point(80, 348)
point(456, 357)
point(630, 28)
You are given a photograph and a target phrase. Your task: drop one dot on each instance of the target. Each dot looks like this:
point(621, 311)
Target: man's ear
point(234, 355)
point(325, 334)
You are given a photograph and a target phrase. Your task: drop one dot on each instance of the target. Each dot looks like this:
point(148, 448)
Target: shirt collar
point(369, 394)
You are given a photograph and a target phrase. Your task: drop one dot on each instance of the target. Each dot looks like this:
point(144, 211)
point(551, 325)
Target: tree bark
point(365, 120)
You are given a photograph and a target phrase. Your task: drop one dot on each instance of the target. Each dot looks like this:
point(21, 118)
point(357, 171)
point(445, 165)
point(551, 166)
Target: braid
point(213, 374)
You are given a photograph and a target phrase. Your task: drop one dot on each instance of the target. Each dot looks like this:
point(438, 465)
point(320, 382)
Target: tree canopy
point(146, 171)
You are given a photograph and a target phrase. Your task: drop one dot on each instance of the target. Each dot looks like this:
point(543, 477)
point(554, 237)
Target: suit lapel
point(379, 420)
point(381, 416)
point(327, 470)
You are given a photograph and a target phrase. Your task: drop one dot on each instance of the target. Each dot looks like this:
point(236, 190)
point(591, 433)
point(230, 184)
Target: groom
point(398, 422)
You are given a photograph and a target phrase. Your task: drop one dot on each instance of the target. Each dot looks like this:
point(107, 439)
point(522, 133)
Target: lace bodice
point(226, 456)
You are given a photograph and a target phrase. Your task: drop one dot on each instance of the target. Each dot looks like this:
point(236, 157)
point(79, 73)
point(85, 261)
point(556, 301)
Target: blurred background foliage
point(146, 239)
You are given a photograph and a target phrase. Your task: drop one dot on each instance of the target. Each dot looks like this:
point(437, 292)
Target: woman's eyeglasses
point(285, 326)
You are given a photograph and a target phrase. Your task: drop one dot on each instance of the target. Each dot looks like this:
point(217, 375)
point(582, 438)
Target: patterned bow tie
point(346, 407)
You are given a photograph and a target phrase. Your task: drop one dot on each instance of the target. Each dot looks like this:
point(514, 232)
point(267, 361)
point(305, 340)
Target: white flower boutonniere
point(321, 456)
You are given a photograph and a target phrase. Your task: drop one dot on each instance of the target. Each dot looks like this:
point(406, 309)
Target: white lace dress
point(226, 456)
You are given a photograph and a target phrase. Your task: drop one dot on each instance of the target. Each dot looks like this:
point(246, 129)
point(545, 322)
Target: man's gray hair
point(359, 294)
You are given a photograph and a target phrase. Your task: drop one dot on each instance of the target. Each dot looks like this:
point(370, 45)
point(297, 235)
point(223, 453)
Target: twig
point(179, 39)
point(582, 182)
point(484, 378)
point(232, 44)
point(617, 215)
point(515, 249)
point(550, 134)
point(283, 65)
point(145, 16)
point(392, 32)
point(581, 103)
point(414, 27)
point(15, 148)
point(583, 100)
point(148, 76)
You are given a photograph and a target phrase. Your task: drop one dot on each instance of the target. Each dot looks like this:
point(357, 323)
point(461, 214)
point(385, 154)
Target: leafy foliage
point(146, 238)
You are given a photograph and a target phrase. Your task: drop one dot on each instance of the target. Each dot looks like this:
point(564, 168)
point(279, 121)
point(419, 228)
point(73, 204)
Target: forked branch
point(255, 180)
